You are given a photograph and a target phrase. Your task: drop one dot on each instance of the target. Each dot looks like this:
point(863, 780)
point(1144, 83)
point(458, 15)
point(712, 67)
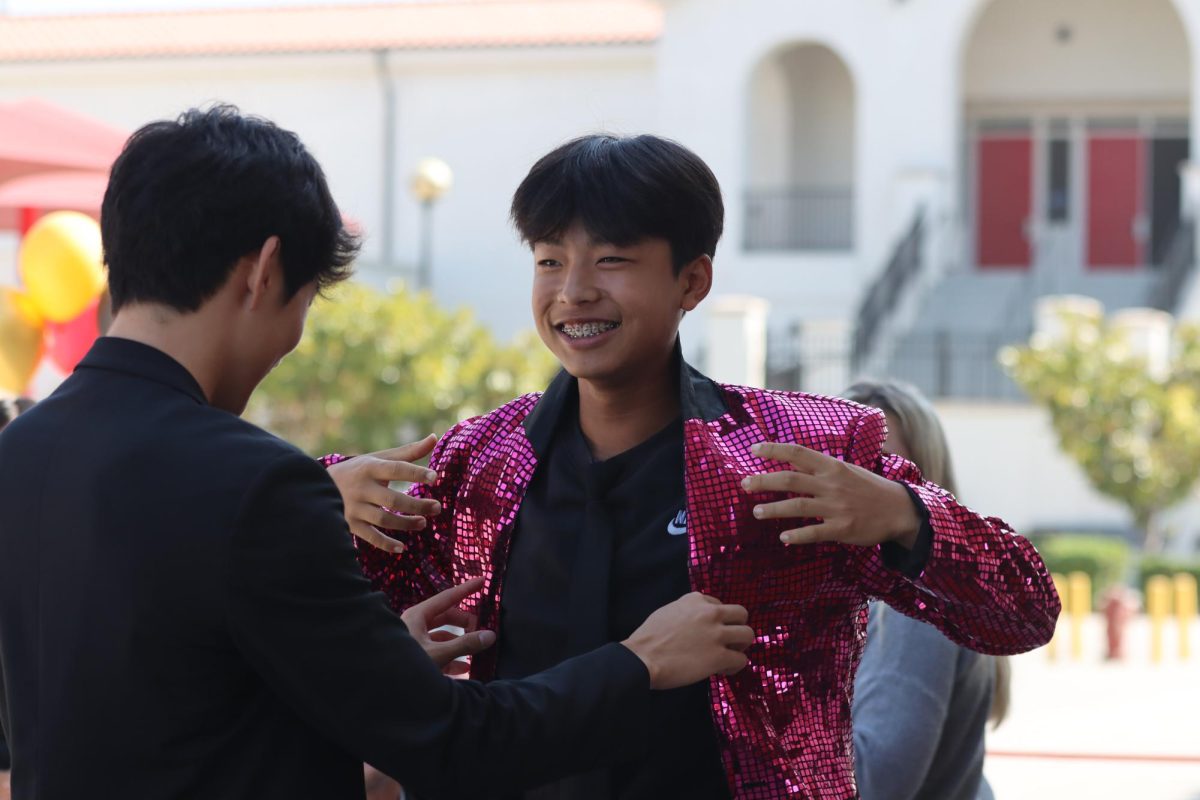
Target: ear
point(697, 282)
point(265, 277)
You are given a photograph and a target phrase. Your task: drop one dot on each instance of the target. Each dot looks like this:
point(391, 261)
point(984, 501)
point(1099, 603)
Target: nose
point(578, 285)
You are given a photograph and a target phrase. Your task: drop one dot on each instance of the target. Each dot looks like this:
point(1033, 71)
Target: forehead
point(578, 236)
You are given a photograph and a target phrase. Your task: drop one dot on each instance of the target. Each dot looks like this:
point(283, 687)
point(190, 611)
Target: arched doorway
point(1076, 115)
point(800, 152)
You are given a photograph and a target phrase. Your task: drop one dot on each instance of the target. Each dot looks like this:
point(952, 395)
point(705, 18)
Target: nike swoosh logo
point(678, 526)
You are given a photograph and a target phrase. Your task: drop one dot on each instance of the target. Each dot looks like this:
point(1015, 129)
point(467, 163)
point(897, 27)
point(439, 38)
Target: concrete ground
point(1095, 729)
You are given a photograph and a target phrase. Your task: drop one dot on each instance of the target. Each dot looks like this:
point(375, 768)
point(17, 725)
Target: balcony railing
point(943, 364)
point(883, 296)
point(1178, 264)
point(800, 218)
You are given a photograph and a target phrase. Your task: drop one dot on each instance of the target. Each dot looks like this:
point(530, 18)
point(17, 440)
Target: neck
point(186, 337)
point(617, 418)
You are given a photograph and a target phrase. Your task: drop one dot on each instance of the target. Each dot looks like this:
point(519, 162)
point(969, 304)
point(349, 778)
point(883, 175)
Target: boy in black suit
point(181, 611)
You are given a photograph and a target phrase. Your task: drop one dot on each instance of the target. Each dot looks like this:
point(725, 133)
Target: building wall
point(489, 114)
point(1008, 464)
point(1113, 50)
point(822, 127)
point(331, 101)
point(717, 78)
point(768, 126)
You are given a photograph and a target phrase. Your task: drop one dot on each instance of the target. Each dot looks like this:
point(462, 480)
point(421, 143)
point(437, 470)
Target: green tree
point(378, 369)
point(1135, 434)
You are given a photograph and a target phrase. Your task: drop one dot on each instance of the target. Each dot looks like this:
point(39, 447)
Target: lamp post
point(432, 179)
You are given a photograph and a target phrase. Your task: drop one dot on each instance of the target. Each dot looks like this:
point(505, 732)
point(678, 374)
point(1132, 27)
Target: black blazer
point(182, 615)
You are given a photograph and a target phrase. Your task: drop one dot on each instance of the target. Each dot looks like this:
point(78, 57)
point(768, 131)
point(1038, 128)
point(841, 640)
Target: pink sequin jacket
point(784, 722)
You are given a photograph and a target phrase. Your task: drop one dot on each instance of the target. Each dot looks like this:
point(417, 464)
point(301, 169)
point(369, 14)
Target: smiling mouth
point(586, 330)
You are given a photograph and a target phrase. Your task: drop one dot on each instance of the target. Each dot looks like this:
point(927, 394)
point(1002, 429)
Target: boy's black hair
point(623, 190)
point(187, 198)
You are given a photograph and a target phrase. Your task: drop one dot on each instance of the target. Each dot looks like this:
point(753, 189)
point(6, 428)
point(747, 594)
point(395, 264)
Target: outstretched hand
point(441, 610)
point(851, 505)
point(371, 506)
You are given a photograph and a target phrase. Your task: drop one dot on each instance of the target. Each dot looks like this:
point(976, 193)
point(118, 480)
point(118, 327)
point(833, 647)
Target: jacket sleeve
point(901, 699)
point(306, 621)
point(426, 567)
point(979, 582)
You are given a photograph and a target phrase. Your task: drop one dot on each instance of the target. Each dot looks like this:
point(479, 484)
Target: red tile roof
point(463, 24)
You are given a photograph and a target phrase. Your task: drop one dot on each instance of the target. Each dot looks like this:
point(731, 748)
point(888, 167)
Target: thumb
point(476, 642)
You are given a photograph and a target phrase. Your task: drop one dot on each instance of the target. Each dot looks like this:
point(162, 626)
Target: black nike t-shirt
point(598, 547)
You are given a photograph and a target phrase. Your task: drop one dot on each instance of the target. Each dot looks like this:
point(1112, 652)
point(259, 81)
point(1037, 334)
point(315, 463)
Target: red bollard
point(1119, 605)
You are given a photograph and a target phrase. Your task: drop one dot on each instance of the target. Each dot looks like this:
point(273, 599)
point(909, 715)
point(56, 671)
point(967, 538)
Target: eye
point(613, 260)
point(549, 262)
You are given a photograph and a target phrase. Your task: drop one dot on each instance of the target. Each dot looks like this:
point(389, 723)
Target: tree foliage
point(379, 369)
point(1135, 434)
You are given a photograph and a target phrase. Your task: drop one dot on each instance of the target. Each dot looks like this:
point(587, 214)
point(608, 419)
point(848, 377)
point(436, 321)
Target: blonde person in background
point(921, 702)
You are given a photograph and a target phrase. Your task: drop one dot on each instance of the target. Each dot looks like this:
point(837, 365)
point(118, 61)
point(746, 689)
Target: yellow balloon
point(20, 340)
point(62, 264)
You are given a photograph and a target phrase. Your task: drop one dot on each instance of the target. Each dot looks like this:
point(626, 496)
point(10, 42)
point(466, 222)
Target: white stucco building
point(902, 177)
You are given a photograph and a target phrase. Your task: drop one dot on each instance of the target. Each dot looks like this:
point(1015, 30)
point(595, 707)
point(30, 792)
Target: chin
point(581, 370)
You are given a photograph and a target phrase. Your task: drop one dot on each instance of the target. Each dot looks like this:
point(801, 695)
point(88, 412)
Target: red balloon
point(68, 342)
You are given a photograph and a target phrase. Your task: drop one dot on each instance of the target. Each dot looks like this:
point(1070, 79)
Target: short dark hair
point(623, 190)
point(188, 197)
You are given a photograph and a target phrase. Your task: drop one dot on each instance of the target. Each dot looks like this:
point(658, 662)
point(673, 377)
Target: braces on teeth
point(587, 329)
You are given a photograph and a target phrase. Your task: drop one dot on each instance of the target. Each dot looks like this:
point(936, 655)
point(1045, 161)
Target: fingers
point(400, 502)
point(376, 538)
point(386, 471)
point(471, 643)
point(732, 615)
point(792, 508)
point(809, 534)
point(786, 481)
point(800, 457)
point(374, 516)
point(409, 452)
point(726, 614)
point(737, 637)
point(446, 646)
point(456, 617)
point(447, 599)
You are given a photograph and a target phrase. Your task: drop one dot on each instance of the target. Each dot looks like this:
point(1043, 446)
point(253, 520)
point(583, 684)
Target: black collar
point(142, 361)
point(699, 398)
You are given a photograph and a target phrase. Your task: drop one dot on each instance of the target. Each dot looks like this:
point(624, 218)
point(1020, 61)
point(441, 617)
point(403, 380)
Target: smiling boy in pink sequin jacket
point(546, 498)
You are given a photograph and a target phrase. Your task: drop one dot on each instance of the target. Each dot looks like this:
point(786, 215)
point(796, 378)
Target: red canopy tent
point(51, 159)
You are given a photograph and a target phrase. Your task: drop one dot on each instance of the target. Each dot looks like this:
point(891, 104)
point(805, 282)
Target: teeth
point(586, 330)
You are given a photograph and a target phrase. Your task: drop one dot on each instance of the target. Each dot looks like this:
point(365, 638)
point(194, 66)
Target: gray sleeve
point(901, 696)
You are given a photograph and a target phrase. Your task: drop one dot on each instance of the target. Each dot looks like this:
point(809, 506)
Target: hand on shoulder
point(372, 507)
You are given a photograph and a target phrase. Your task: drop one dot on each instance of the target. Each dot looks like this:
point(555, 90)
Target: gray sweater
point(920, 706)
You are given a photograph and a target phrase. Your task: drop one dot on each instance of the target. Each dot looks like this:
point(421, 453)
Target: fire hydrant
point(1119, 606)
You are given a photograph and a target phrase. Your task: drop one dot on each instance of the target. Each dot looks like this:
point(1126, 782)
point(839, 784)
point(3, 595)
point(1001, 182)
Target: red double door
point(1115, 181)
